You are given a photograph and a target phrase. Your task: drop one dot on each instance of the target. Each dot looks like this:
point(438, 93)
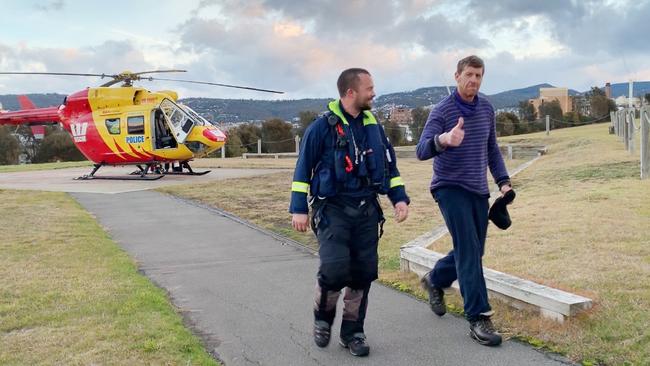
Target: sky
point(300, 47)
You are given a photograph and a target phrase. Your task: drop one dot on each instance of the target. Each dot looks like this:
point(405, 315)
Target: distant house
point(550, 94)
point(401, 115)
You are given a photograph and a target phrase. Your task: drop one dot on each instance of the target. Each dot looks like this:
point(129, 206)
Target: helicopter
point(129, 125)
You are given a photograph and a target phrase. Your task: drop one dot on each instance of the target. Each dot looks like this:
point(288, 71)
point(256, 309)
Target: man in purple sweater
point(460, 133)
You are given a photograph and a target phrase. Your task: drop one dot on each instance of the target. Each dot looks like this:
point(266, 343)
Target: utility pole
point(631, 88)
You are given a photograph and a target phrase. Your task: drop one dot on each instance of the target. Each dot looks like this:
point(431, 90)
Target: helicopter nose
point(214, 135)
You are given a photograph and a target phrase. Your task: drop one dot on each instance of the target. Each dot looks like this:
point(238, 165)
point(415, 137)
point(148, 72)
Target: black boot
point(356, 344)
point(436, 296)
point(482, 331)
point(322, 332)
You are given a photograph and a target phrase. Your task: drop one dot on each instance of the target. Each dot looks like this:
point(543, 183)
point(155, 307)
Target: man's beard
point(365, 106)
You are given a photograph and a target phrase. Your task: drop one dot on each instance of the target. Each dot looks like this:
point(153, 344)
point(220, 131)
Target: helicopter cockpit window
point(135, 125)
point(198, 119)
point(181, 121)
point(113, 126)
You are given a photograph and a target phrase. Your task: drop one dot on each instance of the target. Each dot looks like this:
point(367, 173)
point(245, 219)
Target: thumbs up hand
point(454, 137)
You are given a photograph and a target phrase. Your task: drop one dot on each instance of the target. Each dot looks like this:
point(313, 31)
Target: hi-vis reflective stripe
point(300, 187)
point(397, 181)
point(368, 117)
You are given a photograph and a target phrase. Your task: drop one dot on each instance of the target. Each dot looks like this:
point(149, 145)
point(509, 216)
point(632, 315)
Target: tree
point(552, 109)
point(9, 146)
point(233, 143)
point(573, 118)
point(506, 123)
point(600, 104)
point(249, 134)
point(527, 111)
point(647, 98)
point(306, 118)
point(419, 116)
point(394, 133)
point(277, 136)
point(30, 145)
point(57, 146)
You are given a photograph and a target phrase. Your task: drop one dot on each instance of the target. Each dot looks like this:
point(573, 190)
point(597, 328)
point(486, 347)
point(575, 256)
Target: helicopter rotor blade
point(56, 73)
point(216, 84)
point(157, 71)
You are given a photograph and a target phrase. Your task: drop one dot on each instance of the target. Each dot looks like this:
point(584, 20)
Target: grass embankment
point(581, 221)
point(70, 296)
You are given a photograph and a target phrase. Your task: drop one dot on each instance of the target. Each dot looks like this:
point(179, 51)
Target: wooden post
point(612, 128)
point(548, 125)
point(259, 146)
point(297, 144)
point(626, 132)
point(510, 152)
point(223, 151)
point(645, 135)
point(630, 136)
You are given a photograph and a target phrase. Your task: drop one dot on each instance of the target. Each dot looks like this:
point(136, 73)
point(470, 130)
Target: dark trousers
point(348, 236)
point(466, 216)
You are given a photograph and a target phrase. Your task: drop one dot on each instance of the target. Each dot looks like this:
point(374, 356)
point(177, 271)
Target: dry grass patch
point(69, 295)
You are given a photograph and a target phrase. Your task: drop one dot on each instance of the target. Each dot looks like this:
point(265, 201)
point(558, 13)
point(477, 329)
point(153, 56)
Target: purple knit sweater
point(465, 165)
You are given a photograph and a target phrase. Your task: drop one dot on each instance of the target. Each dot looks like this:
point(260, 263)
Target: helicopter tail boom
point(31, 116)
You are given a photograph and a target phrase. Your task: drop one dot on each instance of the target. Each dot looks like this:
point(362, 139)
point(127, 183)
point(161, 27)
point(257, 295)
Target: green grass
point(43, 166)
point(69, 295)
point(580, 223)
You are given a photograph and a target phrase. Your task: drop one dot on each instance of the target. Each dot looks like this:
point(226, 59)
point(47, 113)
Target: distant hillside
point(417, 98)
point(235, 110)
point(641, 88)
point(238, 110)
point(10, 101)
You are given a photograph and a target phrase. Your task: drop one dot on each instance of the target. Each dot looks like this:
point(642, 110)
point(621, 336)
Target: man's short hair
point(472, 61)
point(349, 79)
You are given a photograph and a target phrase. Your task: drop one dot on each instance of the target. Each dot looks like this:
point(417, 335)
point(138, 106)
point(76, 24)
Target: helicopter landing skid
point(180, 169)
point(187, 173)
point(138, 175)
point(120, 177)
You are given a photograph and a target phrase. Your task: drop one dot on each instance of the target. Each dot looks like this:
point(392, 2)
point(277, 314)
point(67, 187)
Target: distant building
point(581, 104)
point(623, 102)
point(550, 94)
point(400, 115)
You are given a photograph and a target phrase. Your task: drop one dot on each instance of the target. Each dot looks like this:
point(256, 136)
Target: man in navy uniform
point(345, 161)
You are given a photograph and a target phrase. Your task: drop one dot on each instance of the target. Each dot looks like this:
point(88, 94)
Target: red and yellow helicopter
point(129, 125)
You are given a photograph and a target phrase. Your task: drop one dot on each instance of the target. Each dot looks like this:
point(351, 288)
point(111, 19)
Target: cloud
point(109, 57)
point(594, 27)
point(55, 5)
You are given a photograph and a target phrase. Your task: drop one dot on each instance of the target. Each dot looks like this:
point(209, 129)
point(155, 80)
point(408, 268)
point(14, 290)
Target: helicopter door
point(163, 136)
point(180, 122)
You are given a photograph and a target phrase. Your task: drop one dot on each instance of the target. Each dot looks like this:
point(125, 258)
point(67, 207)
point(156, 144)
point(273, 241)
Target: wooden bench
point(270, 155)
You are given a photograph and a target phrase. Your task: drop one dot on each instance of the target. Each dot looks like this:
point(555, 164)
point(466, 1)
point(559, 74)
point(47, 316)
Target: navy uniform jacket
point(375, 171)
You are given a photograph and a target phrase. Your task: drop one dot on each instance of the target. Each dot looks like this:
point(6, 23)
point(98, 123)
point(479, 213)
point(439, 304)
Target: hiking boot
point(482, 331)
point(436, 296)
point(322, 332)
point(356, 344)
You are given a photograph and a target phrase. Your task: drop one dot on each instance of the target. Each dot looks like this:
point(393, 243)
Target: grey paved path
point(249, 294)
point(63, 179)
